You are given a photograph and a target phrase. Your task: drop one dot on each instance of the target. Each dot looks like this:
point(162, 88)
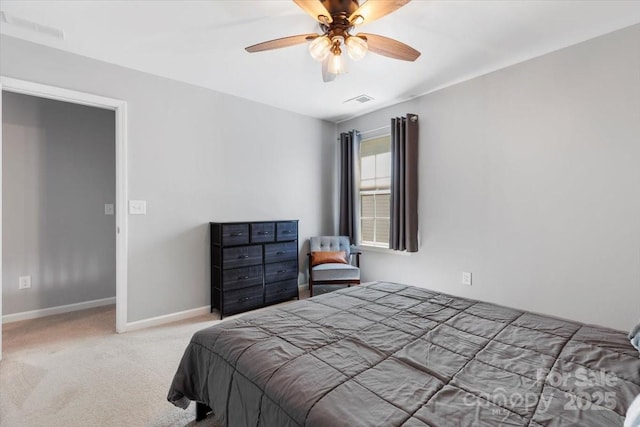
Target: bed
point(386, 354)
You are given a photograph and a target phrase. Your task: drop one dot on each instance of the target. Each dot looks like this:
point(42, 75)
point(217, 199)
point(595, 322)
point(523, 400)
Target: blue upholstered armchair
point(330, 262)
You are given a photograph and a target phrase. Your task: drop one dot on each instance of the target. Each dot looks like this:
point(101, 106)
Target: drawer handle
point(263, 232)
point(235, 234)
point(243, 277)
point(243, 299)
point(282, 271)
point(243, 256)
point(287, 231)
point(279, 253)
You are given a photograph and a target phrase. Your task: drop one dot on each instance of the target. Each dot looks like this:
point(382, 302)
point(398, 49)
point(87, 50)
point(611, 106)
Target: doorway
point(119, 107)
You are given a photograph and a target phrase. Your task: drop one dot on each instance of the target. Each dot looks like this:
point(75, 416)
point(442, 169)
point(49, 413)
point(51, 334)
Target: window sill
point(365, 248)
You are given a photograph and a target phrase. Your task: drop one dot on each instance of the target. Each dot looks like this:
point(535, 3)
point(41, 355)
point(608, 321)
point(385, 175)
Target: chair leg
point(201, 411)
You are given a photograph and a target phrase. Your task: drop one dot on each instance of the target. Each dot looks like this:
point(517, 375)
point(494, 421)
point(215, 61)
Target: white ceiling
point(202, 42)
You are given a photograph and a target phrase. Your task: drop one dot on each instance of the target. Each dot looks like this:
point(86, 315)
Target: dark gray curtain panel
point(404, 184)
point(349, 149)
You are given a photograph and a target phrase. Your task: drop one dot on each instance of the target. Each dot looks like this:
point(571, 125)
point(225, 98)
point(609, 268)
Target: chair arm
point(357, 254)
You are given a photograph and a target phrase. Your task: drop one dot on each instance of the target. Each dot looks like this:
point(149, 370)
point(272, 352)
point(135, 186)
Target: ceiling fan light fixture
point(357, 20)
point(356, 47)
point(336, 64)
point(320, 47)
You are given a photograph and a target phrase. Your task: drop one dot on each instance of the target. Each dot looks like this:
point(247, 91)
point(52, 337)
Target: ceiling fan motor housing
point(346, 7)
point(340, 11)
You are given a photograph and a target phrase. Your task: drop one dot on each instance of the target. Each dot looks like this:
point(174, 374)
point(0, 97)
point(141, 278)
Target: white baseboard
point(35, 314)
point(167, 318)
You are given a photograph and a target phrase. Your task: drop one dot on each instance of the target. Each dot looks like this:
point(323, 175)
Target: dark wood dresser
point(253, 264)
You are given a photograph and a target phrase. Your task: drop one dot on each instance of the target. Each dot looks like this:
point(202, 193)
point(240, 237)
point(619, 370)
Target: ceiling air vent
point(30, 26)
point(360, 98)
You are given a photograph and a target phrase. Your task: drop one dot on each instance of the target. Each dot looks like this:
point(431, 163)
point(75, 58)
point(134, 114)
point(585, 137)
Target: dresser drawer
point(280, 271)
point(243, 299)
point(275, 252)
point(286, 230)
point(241, 256)
point(242, 277)
point(263, 232)
point(279, 291)
point(235, 234)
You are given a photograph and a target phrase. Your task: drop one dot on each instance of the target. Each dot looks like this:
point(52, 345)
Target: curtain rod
point(376, 130)
point(372, 130)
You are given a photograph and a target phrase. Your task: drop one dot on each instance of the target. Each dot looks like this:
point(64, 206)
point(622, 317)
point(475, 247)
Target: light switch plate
point(137, 207)
point(466, 278)
point(108, 209)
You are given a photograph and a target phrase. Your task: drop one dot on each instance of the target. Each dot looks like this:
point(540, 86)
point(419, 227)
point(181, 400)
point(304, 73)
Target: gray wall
point(196, 156)
point(530, 179)
point(58, 171)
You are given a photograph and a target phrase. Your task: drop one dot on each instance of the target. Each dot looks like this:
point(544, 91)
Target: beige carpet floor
point(74, 370)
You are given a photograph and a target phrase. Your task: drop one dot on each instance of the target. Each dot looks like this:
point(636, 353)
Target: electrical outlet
point(108, 209)
point(24, 282)
point(466, 278)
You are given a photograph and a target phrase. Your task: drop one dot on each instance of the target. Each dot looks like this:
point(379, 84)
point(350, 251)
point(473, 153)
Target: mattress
point(387, 354)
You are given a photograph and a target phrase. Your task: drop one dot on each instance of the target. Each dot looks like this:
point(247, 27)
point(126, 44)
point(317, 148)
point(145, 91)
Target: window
point(375, 191)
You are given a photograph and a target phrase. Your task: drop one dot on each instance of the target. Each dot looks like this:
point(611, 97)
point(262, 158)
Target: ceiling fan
point(337, 18)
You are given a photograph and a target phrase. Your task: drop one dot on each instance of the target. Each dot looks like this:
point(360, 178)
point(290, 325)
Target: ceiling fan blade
point(372, 10)
point(315, 8)
point(389, 47)
point(326, 75)
point(282, 42)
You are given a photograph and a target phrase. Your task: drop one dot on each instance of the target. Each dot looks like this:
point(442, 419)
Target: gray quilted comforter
point(386, 354)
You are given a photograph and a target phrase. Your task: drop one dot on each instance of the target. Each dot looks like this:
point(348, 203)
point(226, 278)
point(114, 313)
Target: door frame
point(120, 108)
